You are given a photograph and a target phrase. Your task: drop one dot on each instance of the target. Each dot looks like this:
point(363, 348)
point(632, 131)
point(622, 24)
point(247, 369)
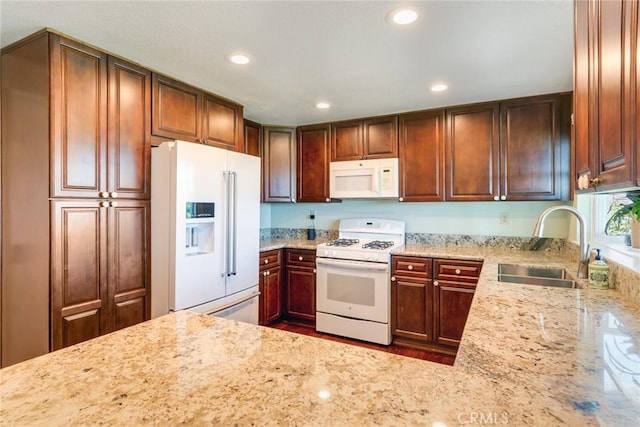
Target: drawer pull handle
point(457, 271)
point(314, 271)
point(300, 258)
point(266, 261)
point(436, 283)
point(393, 278)
point(410, 267)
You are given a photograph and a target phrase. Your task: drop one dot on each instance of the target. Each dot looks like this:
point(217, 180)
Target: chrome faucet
point(584, 248)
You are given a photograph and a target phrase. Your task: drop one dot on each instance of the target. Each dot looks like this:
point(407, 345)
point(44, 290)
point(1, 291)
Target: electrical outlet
point(312, 214)
point(504, 218)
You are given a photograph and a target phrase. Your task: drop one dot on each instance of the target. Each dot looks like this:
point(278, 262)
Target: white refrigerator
point(205, 231)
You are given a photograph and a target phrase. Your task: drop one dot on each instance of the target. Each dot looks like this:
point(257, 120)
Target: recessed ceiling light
point(323, 105)
point(239, 59)
point(438, 88)
point(402, 16)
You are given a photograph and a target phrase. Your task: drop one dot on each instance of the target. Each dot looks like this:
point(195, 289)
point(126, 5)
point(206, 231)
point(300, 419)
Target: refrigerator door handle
point(227, 186)
point(234, 226)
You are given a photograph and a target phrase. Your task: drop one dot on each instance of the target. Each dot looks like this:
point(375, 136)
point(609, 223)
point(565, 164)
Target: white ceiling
point(341, 52)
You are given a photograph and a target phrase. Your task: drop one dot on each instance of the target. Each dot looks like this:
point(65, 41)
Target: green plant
point(621, 214)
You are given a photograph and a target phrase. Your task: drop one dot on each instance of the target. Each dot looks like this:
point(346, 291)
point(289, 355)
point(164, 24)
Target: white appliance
point(353, 290)
point(364, 179)
point(205, 231)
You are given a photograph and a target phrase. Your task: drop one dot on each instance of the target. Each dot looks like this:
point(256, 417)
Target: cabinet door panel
point(129, 134)
point(346, 141)
point(301, 293)
point(221, 123)
point(279, 164)
point(452, 302)
point(79, 119)
point(273, 295)
point(613, 165)
point(313, 163)
point(412, 308)
point(252, 136)
point(176, 109)
point(78, 287)
point(582, 92)
point(380, 137)
point(421, 156)
point(534, 165)
point(472, 153)
point(129, 265)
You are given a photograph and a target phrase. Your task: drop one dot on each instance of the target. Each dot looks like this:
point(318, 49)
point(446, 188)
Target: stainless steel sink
point(554, 277)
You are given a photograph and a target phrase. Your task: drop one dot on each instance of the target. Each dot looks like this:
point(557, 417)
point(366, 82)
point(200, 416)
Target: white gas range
point(353, 297)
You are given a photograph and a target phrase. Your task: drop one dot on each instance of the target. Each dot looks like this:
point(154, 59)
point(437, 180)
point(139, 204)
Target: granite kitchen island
point(529, 356)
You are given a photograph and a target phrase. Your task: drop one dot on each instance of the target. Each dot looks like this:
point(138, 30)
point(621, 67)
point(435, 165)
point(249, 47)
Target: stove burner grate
point(343, 242)
point(378, 244)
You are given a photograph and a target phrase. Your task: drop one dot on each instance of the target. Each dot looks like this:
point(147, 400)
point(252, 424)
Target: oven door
point(354, 289)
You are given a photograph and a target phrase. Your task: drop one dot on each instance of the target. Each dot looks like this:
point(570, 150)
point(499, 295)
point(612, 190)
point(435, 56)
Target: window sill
point(620, 254)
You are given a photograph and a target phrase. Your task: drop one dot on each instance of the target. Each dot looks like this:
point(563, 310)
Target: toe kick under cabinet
point(430, 301)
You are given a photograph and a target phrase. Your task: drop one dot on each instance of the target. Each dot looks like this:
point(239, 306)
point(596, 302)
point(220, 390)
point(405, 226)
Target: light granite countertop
point(529, 356)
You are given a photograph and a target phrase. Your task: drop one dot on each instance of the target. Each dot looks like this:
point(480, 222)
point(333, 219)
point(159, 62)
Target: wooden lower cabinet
point(451, 304)
point(270, 284)
point(427, 311)
point(301, 285)
point(100, 268)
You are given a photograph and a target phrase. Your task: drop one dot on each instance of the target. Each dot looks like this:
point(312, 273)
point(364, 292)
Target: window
point(606, 231)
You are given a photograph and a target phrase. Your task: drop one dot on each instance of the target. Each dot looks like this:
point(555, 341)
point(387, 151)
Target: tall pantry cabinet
point(75, 195)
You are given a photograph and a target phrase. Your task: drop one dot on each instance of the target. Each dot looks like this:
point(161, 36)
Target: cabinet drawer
point(411, 266)
point(457, 270)
point(303, 257)
point(269, 259)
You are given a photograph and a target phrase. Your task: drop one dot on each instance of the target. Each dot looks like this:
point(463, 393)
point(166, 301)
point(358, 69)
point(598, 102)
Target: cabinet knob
point(503, 197)
point(300, 258)
point(595, 182)
point(401, 199)
point(114, 195)
point(114, 204)
point(327, 200)
point(496, 198)
point(104, 204)
point(457, 271)
point(264, 273)
point(314, 271)
point(410, 267)
point(104, 194)
point(393, 278)
point(268, 273)
point(436, 283)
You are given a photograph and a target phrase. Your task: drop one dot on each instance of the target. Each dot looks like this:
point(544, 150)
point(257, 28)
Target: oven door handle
point(353, 265)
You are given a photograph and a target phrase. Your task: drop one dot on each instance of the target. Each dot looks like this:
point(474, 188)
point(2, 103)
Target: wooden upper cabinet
point(313, 163)
point(606, 94)
point(278, 164)
point(380, 137)
point(583, 13)
point(346, 141)
point(176, 109)
point(129, 130)
point(78, 76)
point(535, 148)
point(472, 150)
point(252, 137)
point(180, 111)
point(373, 138)
point(421, 152)
point(222, 124)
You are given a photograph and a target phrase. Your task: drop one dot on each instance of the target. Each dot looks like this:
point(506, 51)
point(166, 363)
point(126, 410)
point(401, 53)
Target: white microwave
point(364, 179)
